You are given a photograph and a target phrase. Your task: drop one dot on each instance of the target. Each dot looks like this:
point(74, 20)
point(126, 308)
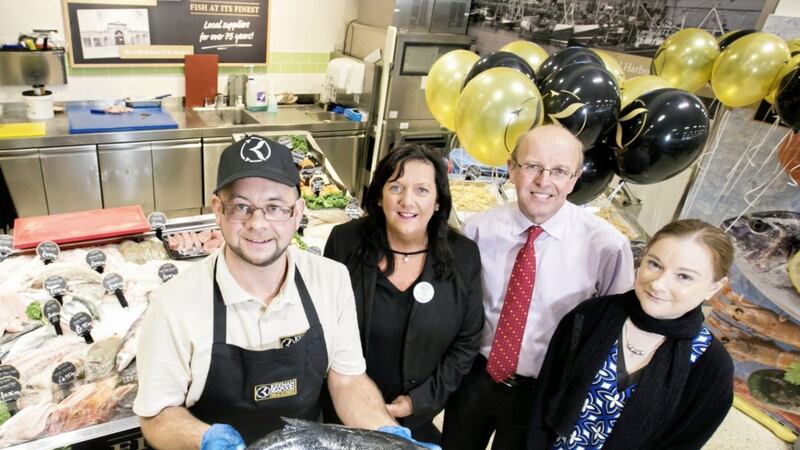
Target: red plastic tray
point(79, 226)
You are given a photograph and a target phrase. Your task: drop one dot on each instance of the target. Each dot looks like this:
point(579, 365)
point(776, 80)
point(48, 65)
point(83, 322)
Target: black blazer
point(443, 335)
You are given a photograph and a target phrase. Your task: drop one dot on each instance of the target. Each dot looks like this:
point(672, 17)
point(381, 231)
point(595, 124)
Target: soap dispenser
point(256, 98)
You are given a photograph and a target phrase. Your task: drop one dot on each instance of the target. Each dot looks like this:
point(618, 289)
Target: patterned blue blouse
point(604, 402)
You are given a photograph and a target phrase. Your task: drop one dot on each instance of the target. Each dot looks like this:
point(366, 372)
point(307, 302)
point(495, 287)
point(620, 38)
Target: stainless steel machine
point(423, 30)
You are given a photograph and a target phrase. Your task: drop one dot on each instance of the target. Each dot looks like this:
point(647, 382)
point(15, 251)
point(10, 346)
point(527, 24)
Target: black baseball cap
point(255, 156)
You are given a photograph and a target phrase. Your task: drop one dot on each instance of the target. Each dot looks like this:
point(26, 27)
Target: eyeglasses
point(557, 173)
point(242, 212)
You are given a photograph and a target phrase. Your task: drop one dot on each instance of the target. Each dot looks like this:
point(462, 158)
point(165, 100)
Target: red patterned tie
point(504, 356)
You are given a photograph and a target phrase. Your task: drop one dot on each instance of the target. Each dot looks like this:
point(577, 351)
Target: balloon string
point(764, 187)
point(720, 123)
point(750, 153)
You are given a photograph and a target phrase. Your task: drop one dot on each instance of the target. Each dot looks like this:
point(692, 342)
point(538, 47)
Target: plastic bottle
point(272, 100)
point(256, 97)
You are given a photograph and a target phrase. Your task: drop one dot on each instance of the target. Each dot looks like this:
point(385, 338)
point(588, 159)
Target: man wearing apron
point(250, 333)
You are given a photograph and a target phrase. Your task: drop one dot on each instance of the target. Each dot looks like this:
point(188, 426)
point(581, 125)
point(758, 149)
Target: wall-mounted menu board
point(161, 32)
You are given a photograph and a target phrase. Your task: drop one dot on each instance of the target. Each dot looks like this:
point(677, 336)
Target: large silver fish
point(764, 243)
point(304, 435)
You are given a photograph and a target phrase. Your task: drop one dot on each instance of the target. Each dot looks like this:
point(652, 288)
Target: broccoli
point(34, 311)
point(5, 414)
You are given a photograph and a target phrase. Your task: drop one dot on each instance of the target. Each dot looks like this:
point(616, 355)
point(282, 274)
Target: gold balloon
point(494, 110)
point(794, 45)
point(635, 87)
point(686, 58)
point(788, 67)
point(530, 52)
point(746, 69)
point(613, 66)
point(443, 85)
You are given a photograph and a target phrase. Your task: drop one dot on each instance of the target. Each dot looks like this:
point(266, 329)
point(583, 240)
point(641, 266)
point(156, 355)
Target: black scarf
point(653, 404)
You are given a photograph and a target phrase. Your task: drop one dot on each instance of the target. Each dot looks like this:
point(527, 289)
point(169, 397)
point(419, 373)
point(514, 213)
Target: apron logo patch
point(288, 341)
point(278, 389)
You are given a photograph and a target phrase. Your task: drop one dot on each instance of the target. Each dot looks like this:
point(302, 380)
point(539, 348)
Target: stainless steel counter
point(289, 117)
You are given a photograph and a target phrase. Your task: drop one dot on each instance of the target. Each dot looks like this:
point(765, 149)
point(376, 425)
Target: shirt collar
point(233, 293)
point(554, 226)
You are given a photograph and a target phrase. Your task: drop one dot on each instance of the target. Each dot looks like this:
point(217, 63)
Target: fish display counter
point(69, 325)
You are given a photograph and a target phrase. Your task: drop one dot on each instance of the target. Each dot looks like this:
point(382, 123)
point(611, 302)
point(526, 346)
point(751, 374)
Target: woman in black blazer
point(417, 287)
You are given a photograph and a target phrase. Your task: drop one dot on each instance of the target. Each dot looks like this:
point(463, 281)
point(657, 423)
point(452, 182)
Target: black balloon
point(728, 40)
point(597, 172)
point(787, 101)
point(583, 98)
point(565, 57)
point(499, 59)
point(659, 135)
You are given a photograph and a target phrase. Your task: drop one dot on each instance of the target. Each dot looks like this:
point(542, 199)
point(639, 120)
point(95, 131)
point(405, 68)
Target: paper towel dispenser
point(28, 68)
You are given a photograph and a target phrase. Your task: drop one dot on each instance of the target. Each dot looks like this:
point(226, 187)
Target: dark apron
point(251, 390)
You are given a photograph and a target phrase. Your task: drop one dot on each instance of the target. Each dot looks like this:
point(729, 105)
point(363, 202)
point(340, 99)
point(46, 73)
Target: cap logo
point(257, 151)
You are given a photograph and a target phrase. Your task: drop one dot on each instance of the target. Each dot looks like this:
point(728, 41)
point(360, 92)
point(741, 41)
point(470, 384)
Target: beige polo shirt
point(175, 341)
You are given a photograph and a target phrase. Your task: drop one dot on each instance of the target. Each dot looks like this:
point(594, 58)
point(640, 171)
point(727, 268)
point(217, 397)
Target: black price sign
point(81, 324)
point(315, 250)
point(96, 260)
point(307, 173)
point(287, 141)
point(48, 251)
point(56, 286)
point(52, 312)
point(10, 389)
point(167, 271)
point(65, 373)
point(304, 222)
point(352, 209)
point(297, 157)
point(113, 284)
point(157, 220)
point(316, 184)
point(6, 246)
point(473, 172)
point(7, 370)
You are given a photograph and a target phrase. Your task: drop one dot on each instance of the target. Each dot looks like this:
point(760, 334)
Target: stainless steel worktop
point(289, 117)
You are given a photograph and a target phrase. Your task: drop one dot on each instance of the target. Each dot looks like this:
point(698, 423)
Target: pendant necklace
point(407, 254)
point(634, 350)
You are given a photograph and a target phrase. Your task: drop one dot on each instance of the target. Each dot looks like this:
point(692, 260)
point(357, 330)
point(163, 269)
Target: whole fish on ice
point(305, 435)
point(764, 242)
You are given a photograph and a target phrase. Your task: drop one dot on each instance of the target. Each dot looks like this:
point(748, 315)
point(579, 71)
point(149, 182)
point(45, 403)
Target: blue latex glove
point(222, 437)
point(405, 433)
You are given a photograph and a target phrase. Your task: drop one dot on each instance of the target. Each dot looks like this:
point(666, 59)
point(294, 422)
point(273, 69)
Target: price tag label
point(52, 311)
point(6, 246)
point(55, 285)
point(96, 260)
point(112, 282)
point(352, 210)
point(315, 250)
point(287, 141)
point(48, 251)
point(473, 173)
point(316, 184)
point(7, 370)
point(167, 271)
point(81, 324)
point(307, 173)
point(304, 222)
point(297, 157)
point(65, 373)
point(157, 220)
point(10, 389)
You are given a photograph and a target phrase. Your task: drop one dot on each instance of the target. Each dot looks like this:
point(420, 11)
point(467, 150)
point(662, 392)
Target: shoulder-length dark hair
point(374, 244)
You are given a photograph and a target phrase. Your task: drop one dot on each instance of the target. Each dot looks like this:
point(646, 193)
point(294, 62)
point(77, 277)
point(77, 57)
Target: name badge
point(278, 389)
point(289, 341)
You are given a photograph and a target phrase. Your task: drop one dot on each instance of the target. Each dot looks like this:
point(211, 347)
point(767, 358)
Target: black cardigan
point(443, 335)
point(705, 401)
